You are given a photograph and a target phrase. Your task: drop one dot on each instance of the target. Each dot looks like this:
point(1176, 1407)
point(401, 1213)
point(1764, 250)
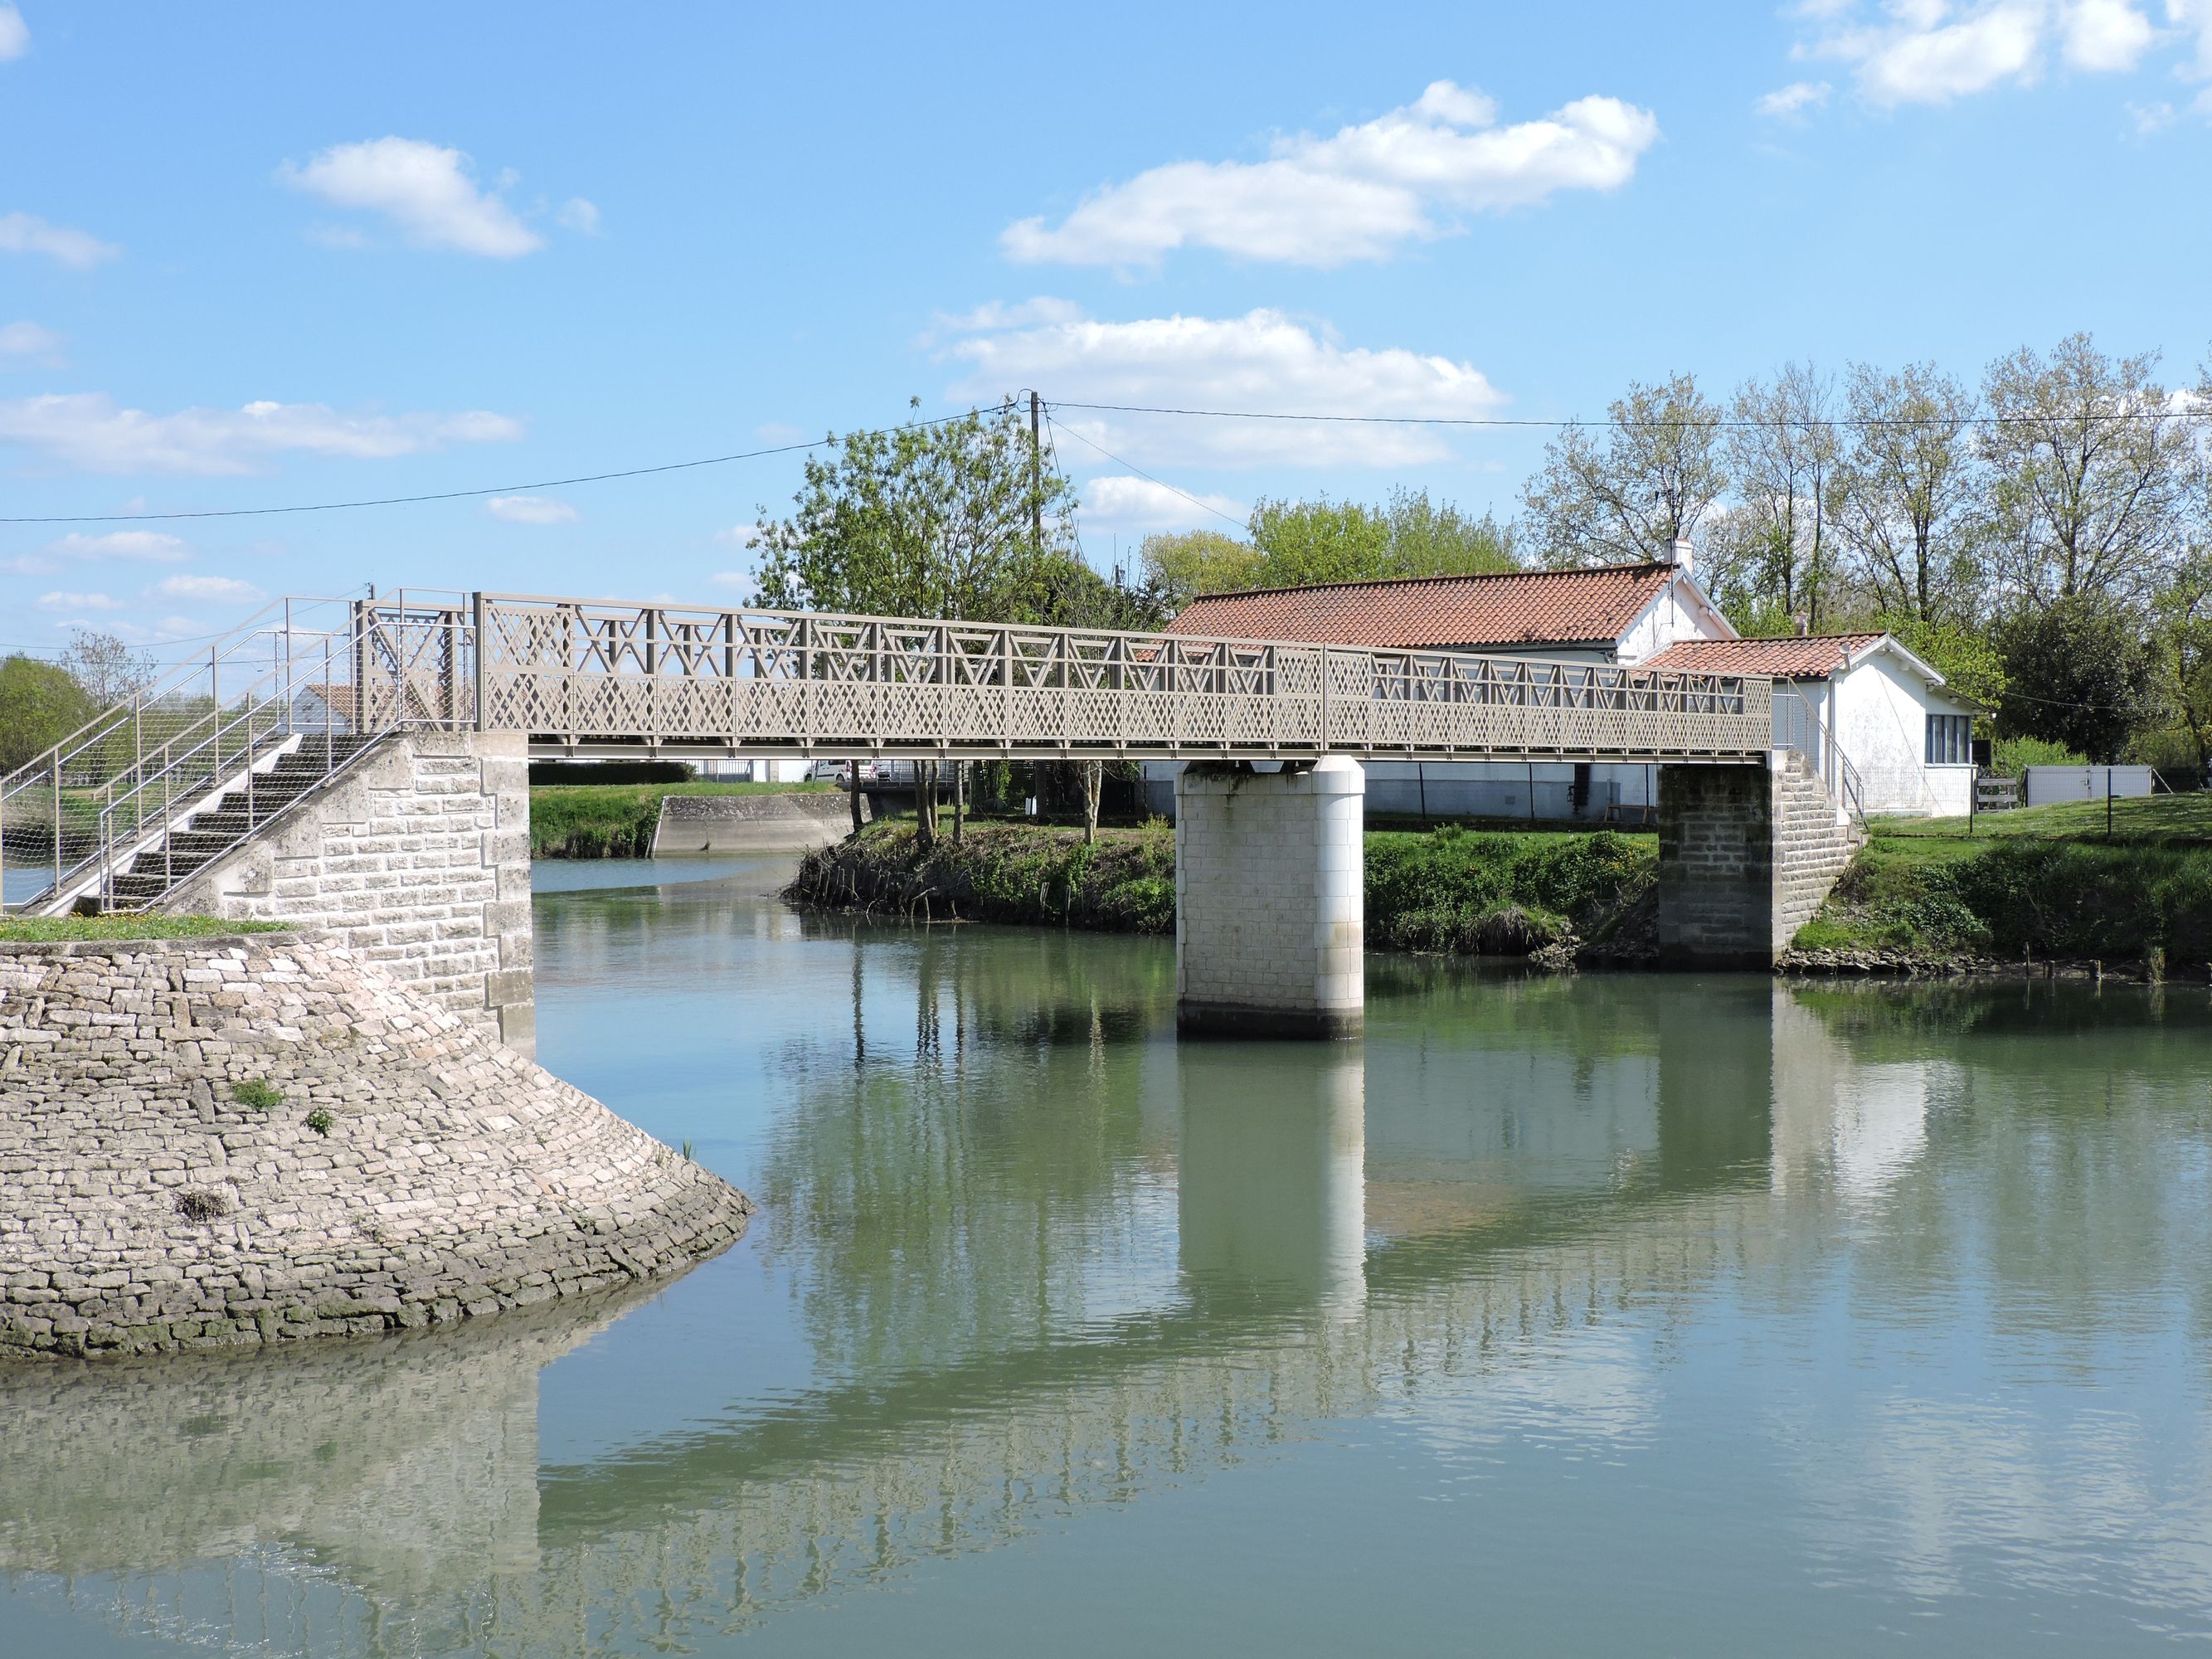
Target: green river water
point(1615, 1314)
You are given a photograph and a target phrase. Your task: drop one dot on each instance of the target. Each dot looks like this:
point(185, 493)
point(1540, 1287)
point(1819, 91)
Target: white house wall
point(1880, 711)
point(1674, 615)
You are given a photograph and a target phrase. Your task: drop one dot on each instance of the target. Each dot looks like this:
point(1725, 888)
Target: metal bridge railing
point(305, 675)
point(576, 673)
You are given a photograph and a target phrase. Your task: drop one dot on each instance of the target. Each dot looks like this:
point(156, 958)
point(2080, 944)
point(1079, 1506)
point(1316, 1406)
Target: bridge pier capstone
point(1269, 905)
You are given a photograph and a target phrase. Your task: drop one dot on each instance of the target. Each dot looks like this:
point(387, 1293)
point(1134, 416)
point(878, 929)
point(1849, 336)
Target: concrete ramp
point(752, 823)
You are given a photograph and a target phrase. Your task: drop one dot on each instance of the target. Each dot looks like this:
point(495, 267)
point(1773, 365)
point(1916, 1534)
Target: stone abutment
point(213, 1142)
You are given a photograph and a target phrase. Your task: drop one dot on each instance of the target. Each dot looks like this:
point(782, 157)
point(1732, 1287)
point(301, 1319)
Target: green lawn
point(2039, 882)
point(616, 820)
point(48, 930)
point(2149, 820)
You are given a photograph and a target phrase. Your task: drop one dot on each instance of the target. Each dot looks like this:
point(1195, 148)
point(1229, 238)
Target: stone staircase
point(228, 818)
point(1815, 839)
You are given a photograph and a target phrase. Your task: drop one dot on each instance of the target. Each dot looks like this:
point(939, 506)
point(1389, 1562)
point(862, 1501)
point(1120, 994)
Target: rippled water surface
point(1611, 1314)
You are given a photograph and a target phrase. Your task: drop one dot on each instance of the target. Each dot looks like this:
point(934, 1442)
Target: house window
point(1950, 739)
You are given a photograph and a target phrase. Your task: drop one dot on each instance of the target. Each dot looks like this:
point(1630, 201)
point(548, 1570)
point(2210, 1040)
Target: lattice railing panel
point(578, 673)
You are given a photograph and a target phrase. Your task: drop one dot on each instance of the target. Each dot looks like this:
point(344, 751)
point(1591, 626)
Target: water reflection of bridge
point(1404, 1226)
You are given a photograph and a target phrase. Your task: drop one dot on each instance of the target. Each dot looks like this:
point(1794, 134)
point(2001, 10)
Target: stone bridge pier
point(1269, 899)
point(1270, 876)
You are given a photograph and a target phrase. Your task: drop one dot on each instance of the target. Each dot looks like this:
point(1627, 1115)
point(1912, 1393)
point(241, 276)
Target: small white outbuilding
point(1875, 719)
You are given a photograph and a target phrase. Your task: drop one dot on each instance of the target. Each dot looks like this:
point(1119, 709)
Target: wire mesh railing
point(75, 820)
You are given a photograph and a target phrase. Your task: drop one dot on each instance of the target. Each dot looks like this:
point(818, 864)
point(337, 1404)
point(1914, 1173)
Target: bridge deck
point(587, 678)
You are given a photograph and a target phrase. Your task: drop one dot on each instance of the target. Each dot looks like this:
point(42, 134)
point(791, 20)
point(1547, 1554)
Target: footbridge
point(360, 763)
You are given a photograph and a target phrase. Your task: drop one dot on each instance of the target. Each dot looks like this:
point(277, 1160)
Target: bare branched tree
point(1783, 446)
point(1629, 496)
point(1905, 491)
point(109, 670)
point(2088, 461)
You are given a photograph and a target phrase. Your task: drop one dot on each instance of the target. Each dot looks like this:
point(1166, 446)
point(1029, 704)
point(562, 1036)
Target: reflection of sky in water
point(1640, 1315)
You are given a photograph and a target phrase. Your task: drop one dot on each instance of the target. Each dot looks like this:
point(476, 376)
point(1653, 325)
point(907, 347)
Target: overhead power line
point(1072, 433)
point(488, 490)
point(1718, 423)
point(1503, 422)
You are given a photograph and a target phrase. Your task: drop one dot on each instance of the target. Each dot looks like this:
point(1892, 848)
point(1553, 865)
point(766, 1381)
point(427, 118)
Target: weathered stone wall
point(417, 858)
point(412, 1169)
point(1746, 853)
point(1814, 845)
point(1270, 901)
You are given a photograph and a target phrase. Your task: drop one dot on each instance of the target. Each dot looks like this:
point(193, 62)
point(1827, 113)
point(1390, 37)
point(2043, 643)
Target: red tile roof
point(1531, 607)
point(1814, 656)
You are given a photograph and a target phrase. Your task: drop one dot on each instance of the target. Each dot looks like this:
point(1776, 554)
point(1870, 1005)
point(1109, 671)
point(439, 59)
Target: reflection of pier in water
point(1399, 1227)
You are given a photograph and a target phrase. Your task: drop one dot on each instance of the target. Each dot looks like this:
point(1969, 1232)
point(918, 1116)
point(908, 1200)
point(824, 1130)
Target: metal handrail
point(188, 740)
point(1847, 774)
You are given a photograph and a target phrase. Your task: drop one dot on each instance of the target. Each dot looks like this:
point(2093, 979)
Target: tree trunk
point(1094, 784)
point(853, 783)
point(924, 804)
point(959, 802)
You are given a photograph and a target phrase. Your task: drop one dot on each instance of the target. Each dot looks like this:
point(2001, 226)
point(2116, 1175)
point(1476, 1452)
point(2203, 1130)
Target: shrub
point(257, 1092)
point(2014, 755)
point(321, 1120)
point(202, 1204)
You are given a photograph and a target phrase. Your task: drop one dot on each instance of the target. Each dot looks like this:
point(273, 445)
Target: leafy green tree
point(2077, 671)
point(1628, 497)
point(1183, 564)
point(933, 519)
point(40, 703)
point(1964, 654)
point(1325, 541)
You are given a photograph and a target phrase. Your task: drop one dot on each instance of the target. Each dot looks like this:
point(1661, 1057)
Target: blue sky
point(254, 255)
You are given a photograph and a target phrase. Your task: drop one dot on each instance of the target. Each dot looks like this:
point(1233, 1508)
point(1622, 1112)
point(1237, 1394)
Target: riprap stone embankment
point(212, 1141)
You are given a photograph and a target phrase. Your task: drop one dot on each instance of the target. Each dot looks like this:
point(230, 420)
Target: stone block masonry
point(1746, 853)
point(1270, 900)
point(417, 858)
point(393, 1165)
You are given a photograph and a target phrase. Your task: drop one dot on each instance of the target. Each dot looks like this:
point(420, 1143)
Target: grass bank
point(1442, 891)
point(616, 820)
point(2042, 883)
point(51, 930)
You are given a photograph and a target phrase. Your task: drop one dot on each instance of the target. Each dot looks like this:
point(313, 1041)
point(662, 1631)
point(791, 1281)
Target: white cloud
point(425, 189)
point(731, 579)
point(1120, 502)
point(1794, 100)
point(2105, 36)
point(225, 589)
point(2150, 118)
point(78, 602)
point(580, 216)
point(2195, 17)
point(15, 35)
point(1930, 52)
point(148, 546)
point(26, 232)
point(29, 340)
point(1265, 361)
point(1359, 194)
point(531, 509)
point(739, 535)
point(86, 430)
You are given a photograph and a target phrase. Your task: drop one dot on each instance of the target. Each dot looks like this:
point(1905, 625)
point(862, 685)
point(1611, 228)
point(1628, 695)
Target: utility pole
point(1036, 477)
